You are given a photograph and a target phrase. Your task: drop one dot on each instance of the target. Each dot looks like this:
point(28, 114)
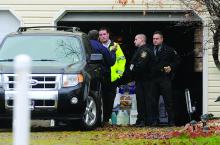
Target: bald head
point(142, 37)
point(140, 40)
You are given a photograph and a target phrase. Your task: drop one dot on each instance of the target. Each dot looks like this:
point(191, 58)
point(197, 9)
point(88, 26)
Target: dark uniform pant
point(162, 86)
point(143, 95)
point(108, 96)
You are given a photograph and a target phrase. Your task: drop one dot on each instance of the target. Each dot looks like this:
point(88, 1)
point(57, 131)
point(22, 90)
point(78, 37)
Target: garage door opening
point(181, 37)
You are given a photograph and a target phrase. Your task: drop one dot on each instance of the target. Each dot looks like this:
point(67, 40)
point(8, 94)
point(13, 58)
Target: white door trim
point(105, 8)
point(205, 66)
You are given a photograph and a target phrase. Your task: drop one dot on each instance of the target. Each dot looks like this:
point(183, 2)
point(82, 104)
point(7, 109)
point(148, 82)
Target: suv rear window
point(65, 49)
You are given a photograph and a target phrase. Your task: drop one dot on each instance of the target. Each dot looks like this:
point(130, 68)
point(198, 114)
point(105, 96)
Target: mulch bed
point(189, 130)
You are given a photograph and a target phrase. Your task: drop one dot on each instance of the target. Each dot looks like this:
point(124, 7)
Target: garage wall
point(8, 23)
point(213, 83)
point(45, 12)
point(42, 12)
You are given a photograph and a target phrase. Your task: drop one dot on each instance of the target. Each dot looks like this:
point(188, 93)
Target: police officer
point(117, 70)
point(166, 62)
point(140, 67)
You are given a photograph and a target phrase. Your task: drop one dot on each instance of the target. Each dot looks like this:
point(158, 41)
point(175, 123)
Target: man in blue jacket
point(109, 57)
point(97, 47)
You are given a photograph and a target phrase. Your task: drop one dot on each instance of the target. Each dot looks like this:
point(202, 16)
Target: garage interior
point(182, 35)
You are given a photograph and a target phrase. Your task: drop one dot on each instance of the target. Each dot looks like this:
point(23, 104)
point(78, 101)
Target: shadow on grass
point(59, 126)
point(41, 127)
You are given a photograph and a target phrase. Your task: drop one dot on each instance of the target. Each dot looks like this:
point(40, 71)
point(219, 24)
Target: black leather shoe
point(147, 124)
point(171, 124)
point(154, 124)
point(141, 124)
point(138, 121)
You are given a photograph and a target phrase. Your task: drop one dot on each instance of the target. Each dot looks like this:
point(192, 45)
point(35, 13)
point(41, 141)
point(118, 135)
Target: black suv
point(65, 83)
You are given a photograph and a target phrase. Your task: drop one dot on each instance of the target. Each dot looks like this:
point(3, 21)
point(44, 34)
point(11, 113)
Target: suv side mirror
point(96, 58)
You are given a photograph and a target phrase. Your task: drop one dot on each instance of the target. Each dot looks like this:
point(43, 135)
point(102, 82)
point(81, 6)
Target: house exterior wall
point(9, 23)
point(47, 12)
point(43, 12)
point(213, 84)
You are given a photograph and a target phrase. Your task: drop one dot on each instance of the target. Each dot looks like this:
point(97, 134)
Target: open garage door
point(182, 35)
point(8, 23)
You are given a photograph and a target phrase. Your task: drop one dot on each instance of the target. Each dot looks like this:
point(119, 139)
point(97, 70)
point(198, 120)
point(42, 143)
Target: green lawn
point(109, 136)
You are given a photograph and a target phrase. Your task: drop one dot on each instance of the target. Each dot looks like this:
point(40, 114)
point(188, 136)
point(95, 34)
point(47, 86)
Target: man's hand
point(167, 69)
point(114, 47)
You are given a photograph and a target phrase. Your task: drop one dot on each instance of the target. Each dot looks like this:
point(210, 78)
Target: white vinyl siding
point(8, 23)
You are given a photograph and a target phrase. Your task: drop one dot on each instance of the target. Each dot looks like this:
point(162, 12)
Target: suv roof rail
point(65, 28)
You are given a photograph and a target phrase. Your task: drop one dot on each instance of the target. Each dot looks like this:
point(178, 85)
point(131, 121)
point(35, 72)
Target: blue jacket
point(108, 56)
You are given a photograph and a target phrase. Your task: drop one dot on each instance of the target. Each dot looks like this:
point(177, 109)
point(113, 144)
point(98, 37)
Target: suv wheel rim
point(90, 113)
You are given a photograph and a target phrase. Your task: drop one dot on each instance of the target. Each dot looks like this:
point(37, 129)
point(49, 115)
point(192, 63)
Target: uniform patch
point(131, 67)
point(143, 54)
point(175, 52)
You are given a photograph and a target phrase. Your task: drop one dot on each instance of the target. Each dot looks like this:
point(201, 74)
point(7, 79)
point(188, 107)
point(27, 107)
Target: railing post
point(21, 111)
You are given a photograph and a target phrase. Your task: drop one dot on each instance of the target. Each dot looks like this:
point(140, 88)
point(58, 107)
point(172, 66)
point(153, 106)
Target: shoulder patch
point(143, 54)
point(175, 52)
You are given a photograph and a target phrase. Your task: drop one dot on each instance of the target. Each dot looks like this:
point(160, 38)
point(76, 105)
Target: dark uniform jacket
point(166, 56)
point(141, 63)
